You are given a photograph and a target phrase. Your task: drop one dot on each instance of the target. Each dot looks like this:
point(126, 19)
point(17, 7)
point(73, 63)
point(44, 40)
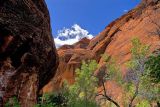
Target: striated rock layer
point(142, 22)
point(28, 58)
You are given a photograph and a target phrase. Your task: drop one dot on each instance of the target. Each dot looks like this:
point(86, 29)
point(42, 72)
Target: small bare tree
point(136, 67)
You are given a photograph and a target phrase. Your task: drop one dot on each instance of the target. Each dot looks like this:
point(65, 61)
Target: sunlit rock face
point(114, 41)
point(28, 58)
point(70, 58)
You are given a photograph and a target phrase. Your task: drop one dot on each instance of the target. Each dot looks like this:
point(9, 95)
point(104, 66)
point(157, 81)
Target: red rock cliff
point(142, 22)
point(28, 58)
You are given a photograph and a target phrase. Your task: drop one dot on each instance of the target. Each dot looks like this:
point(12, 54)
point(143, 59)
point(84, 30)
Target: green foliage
point(149, 89)
point(139, 50)
point(136, 68)
point(86, 82)
point(129, 88)
point(143, 74)
point(46, 101)
point(113, 70)
point(84, 89)
point(80, 94)
point(143, 103)
point(52, 100)
point(153, 64)
point(13, 102)
point(83, 103)
point(139, 53)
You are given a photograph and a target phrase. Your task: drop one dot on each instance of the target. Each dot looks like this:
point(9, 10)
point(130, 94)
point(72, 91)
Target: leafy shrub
point(143, 103)
point(83, 92)
point(13, 102)
point(153, 64)
point(52, 100)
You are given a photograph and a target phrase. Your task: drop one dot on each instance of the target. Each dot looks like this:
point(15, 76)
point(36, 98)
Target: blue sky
point(87, 17)
point(92, 15)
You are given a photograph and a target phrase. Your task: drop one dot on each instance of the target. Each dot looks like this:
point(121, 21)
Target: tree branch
point(135, 95)
point(106, 96)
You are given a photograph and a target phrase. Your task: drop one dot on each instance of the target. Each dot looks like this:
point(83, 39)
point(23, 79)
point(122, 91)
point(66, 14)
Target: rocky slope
point(28, 57)
point(142, 22)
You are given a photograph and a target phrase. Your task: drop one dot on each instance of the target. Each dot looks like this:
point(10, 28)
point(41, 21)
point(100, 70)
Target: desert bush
point(13, 102)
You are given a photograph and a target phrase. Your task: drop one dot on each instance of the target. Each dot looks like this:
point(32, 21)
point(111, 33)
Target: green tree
point(83, 91)
point(141, 79)
point(136, 69)
point(151, 79)
point(153, 64)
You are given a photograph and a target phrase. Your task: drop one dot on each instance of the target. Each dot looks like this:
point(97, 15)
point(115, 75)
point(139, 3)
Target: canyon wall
point(28, 57)
point(115, 40)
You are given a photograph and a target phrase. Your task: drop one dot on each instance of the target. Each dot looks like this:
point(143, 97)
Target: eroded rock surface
point(28, 58)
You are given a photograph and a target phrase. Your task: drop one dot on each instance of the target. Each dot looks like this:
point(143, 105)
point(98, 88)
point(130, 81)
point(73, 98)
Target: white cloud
point(125, 10)
point(69, 36)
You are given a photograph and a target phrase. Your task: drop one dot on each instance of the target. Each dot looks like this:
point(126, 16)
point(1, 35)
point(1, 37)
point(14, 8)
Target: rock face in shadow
point(28, 58)
point(141, 22)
